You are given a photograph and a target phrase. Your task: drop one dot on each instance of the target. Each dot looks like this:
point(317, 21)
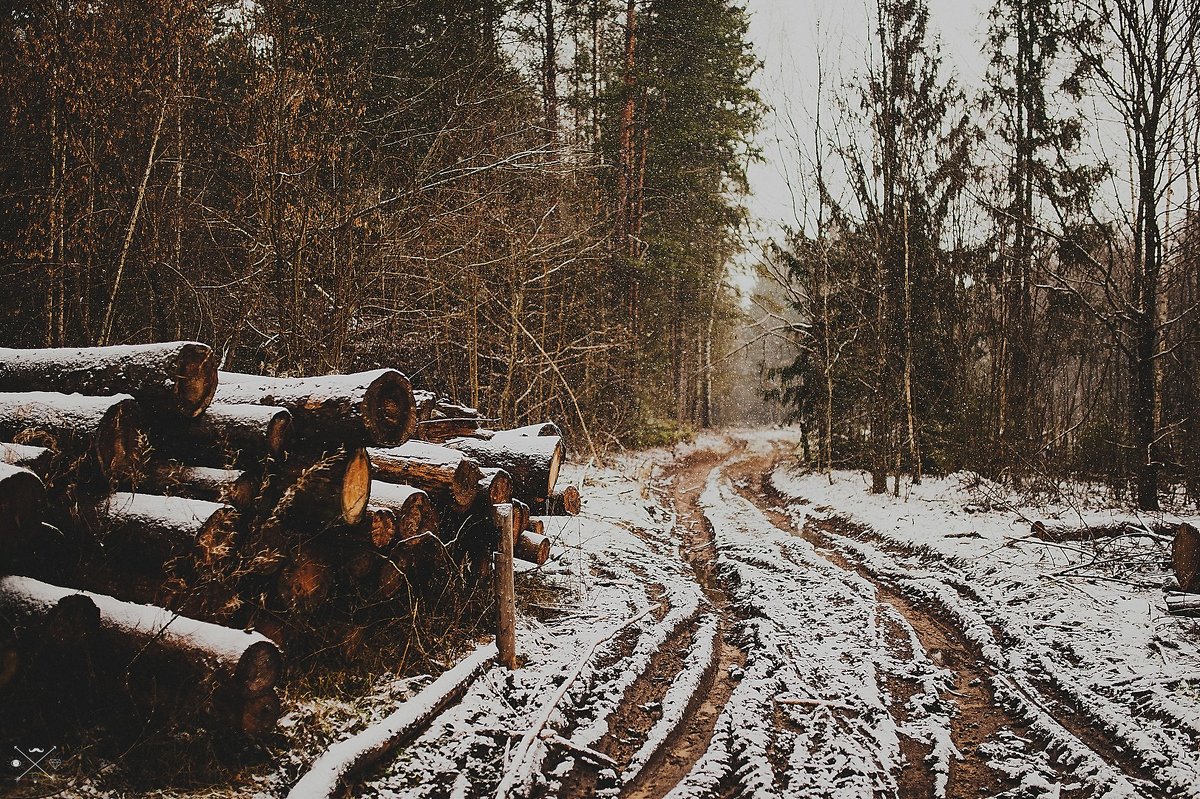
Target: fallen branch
point(332, 770)
point(520, 758)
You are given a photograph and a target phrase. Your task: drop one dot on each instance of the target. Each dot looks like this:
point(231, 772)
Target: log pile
point(179, 529)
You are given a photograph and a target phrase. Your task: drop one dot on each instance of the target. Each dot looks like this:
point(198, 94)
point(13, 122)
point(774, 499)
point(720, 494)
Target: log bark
point(10, 655)
point(536, 526)
point(437, 431)
point(39, 460)
point(333, 489)
point(248, 664)
point(532, 461)
point(1185, 554)
point(22, 503)
point(564, 501)
point(364, 408)
point(151, 527)
point(230, 486)
point(228, 434)
point(533, 547)
point(445, 474)
point(106, 431)
point(177, 377)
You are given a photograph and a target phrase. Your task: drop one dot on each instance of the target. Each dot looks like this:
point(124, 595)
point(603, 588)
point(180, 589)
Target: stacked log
point(190, 505)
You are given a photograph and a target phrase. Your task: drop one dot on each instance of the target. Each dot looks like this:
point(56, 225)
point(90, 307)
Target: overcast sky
point(788, 35)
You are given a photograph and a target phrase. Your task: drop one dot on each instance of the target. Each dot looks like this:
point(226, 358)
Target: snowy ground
point(738, 628)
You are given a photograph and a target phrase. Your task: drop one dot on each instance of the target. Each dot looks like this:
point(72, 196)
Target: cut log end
point(196, 379)
point(259, 668)
point(217, 540)
point(356, 487)
point(1185, 554)
point(280, 433)
point(119, 442)
point(389, 410)
point(533, 547)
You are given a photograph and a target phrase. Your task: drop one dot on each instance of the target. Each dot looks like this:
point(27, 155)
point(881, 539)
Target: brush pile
point(170, 531)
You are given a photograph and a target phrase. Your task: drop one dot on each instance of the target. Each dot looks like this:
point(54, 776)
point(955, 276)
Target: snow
point(153, 511)
point(55, 411)
point(1053, 619)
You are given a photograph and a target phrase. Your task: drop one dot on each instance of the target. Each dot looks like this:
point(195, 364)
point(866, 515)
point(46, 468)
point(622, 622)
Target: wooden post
point(506, 623)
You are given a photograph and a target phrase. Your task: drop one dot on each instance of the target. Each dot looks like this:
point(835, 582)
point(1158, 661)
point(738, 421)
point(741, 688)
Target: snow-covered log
point(495, 487)
point(539, 429)
point(39, 460)
point(1066, 532)
point(533, 547)
point(374, 407)
point(564, 501)
point(106, 430)
point(63, 622)
point(536, 526)
point(410, 504)
point(218, 657)
point(445, 474)
point(226, 434)
point(532, 461)
point(231, 486)
point(1185, 555)
point(22, 501)
point(332, 772)
point(151, 527)
point(176, 377)
point(333, 488)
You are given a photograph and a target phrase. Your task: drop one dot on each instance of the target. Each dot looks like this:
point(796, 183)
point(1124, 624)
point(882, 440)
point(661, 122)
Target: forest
point(1004, 280)
point(526, 204)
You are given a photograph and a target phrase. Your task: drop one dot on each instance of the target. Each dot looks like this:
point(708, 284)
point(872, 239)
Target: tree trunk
point(177, 377)
point(22, 504)
point(333, 489)
point(410, 504)
point(565, 501)
point(39, 460)
point(533, 547)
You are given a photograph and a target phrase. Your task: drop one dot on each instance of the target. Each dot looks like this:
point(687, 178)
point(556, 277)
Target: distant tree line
point(525, 203)
point(1007, 282)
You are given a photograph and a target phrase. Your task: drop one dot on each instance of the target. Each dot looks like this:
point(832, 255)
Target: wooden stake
point(506, 624)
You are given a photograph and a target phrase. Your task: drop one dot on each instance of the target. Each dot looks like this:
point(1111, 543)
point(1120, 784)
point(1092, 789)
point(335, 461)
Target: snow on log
point(533, 547)
point(410, 504)
point(539, 429)
point(106, 429)
point(229, 486)
point(38, 460)
point(246, 663)
point(177, 377)
point(160, 528)
point(22, 501)
point(532, 461)
point(334, 488)
point(1064, 532)
point(229, 433)
point(565, 501)
point(446, 474)
point(62, 623)
point(1185, 555)
point(332, 772)
point(374, 407)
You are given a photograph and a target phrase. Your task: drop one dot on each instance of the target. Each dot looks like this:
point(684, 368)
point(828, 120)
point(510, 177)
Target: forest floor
point(801, 637)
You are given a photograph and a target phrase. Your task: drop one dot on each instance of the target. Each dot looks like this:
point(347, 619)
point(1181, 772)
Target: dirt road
point(784, 650)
